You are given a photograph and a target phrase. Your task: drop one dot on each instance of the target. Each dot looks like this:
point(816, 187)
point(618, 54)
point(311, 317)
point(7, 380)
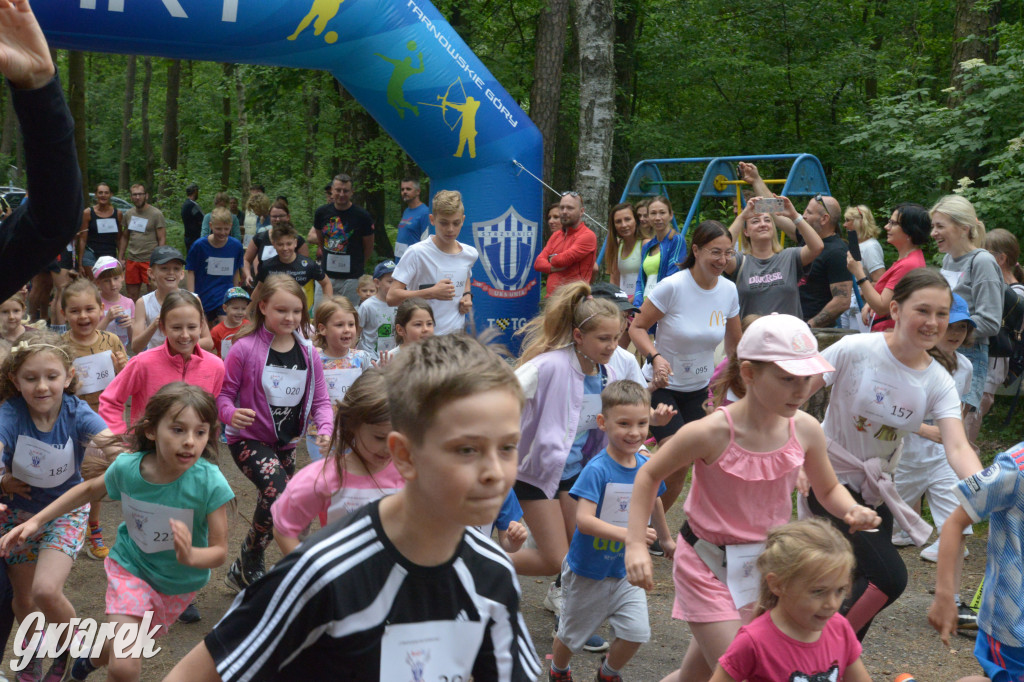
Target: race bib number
point(742, 577)
point(628, 283)
point(43, 465)
point(697, 366)
point(95, 372)
point(339, 262)
point(385, 344)
point(149, 524)
point(588, 415)
point(137, 224)
point(219, 267)
point(339, 380)
point(615, 504)
point(400, 249)
point(283, 387)
point(885, 408)
point(268, 253)
point(952, 277)
point(107, 226)
point(348, 500)
point(434, 651)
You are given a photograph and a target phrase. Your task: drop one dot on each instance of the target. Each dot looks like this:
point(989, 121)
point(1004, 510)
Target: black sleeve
point(41, 227)
point(835, 266)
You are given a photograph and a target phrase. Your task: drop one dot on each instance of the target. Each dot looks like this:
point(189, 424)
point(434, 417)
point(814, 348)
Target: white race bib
point(588, 415)
point(883, 406)
point(649, 286)
point(697, 366)
point(348, 500)
point(615, 504)
point(149, 524)
point(742, 576)
point(218, 267)
point(339, 262)
point(952, 277)
point(338, 381)
point(385, 344)
point(137, 224)
point(486, 529)
point(43, 465)
point(107, 225)
point(284, 387)
point(628, 283)
point(95, 372)
point(400, 249)
point(434, 650)
point(268, 252)
point(225, 346)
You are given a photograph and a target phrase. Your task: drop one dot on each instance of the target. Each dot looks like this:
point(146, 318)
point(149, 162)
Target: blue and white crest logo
point(140, 521)
point(275, 379)
point(37, 459)
point(507, 246)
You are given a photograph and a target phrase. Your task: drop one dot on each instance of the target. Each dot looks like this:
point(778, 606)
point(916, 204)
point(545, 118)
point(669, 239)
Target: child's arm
point(959, 452)
point(288, 543)
point(203, 557)
point(660, 523)
point(857, 671)
point(115, 396)
point(141, 331)
point(190, 280)
point(197, 666)
point(86, 491)
point(943, 613)
point(513, 538)
point(720, 675)
point(835, 498)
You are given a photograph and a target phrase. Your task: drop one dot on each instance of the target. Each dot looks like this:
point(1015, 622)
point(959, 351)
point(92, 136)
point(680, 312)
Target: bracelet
point(797, 219)
point(862, 280)
point(467, 293)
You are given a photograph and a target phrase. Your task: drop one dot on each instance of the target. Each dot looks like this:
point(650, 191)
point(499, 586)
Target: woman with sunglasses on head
point(695, 309)
point(907, 231)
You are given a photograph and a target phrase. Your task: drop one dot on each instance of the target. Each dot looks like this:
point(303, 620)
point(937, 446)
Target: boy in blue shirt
point(998, 493)
point(214, 265)
point(594, 584)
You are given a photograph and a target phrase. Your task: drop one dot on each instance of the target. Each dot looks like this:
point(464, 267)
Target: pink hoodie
point(151, 370)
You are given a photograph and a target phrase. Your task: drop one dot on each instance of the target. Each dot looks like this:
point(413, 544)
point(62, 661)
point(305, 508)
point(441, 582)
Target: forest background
point(901, 100)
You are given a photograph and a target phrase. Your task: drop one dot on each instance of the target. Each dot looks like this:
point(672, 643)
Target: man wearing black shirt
point(191, 216)
point(826, 286)
point(344, 234)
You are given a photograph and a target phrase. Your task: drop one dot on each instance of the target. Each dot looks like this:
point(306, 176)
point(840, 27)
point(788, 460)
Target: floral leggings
point(269, 469)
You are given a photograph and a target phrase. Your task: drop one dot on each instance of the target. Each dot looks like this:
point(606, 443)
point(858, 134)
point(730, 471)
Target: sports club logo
point(507, 246)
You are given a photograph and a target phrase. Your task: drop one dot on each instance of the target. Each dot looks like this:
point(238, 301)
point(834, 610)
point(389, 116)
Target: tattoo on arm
point(841, 292)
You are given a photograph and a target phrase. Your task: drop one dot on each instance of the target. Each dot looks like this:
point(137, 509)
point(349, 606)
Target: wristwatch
point(650, 358)
point(862, 280)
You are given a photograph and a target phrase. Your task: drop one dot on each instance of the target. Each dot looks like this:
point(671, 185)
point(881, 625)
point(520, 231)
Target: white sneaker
point(901, 539)
point(931, 552)
point(553, 599)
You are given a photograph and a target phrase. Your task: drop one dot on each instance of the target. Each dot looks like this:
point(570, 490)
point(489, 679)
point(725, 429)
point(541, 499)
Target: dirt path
point(900, 640)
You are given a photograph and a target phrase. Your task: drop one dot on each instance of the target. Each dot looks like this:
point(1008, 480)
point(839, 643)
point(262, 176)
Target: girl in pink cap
point(746, 458)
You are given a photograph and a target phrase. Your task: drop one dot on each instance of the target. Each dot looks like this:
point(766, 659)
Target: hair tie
point(26, 346)
point(590, 297)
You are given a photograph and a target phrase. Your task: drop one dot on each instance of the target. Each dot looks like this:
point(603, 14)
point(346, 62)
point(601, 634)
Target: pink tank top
point(736, 499)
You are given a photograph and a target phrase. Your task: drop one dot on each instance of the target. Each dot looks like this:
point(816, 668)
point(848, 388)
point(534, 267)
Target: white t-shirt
point(693, 326)
point(625, 366)
point(424, 265)
point(877, 400)
point(918, 450)
point(377, 320)
point(151, 307)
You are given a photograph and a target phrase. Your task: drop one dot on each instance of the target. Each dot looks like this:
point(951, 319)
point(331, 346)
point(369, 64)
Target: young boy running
point(236, 302)
point(376, 316)
point(438, 269)
point(303, 268)
point(594, 584)
point(214, 265)
point(400, 589)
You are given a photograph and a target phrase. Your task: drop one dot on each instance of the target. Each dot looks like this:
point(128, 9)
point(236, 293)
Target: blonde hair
point(743, 246)
point(800, 552)
point(961, 211)
point(438, 370)
point(570, 307)
point(259, 204)
point(271, 285)
point(221, 215)
point(325, 311)
point(364, 280)
point(32, 343)
point(447, 202)
point(863, 222)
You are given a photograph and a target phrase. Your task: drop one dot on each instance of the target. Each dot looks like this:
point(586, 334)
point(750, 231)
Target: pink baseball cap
point(104, 263)
point(785, 340)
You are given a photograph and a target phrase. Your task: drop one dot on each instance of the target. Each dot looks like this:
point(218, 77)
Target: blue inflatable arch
point(403, 62)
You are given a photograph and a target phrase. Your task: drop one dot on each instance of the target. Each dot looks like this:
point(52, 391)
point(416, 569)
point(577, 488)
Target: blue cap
point(235, 292)
point(385, 267)
point(959, 312)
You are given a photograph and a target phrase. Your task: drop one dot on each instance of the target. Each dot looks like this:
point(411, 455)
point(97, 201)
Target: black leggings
point(880, 575)
point(270, 470)
point(689, 406)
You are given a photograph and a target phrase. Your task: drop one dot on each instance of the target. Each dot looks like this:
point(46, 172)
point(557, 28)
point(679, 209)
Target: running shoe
point(966, 618)
point(931, 552)
point(190, 614)
point(601, 677)
point(81, 669)
point(94, 546)
point(596, 644)
point(553, 599)
point(57, 669)
point(559, 675)
point(33, 672)
point(901, 539)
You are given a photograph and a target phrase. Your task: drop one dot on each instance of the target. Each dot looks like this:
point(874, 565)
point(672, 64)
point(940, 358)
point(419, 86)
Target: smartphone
point(770, 205)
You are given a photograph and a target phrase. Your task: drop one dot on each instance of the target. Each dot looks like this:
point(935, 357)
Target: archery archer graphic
point(467, 109)
point(403, 69)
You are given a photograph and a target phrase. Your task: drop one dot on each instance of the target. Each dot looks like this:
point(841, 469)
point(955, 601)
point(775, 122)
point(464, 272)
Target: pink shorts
point(700, 596)
point(130, 595)
point(65, 534)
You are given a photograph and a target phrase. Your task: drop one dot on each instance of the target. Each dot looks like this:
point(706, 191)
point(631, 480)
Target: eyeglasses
point(718, 253)
point(138, 194)
point(570, 194)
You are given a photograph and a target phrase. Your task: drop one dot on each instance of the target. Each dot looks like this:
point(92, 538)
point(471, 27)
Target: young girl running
point(97, 357)
point(44, 429)
point(178, 358)
point(414, 321)
point(884, 386)
point(118, 309)
point(357, 470)
point(746, 458)
point(176, 525)
point(336, 335)
point(797, 633)
point(274, 384)
point(12, 318)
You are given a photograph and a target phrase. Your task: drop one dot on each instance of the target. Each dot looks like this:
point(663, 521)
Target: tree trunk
point(169, 146)
point(564, 165)
point(10, 131)
point(76, 104)
point(147, 144)
point(976, 18)
point(545, 95)
point(244, 171)
point(312, 130)
point(225, 152)
point(124, 172)
point(627, 21)
point(595, 27)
